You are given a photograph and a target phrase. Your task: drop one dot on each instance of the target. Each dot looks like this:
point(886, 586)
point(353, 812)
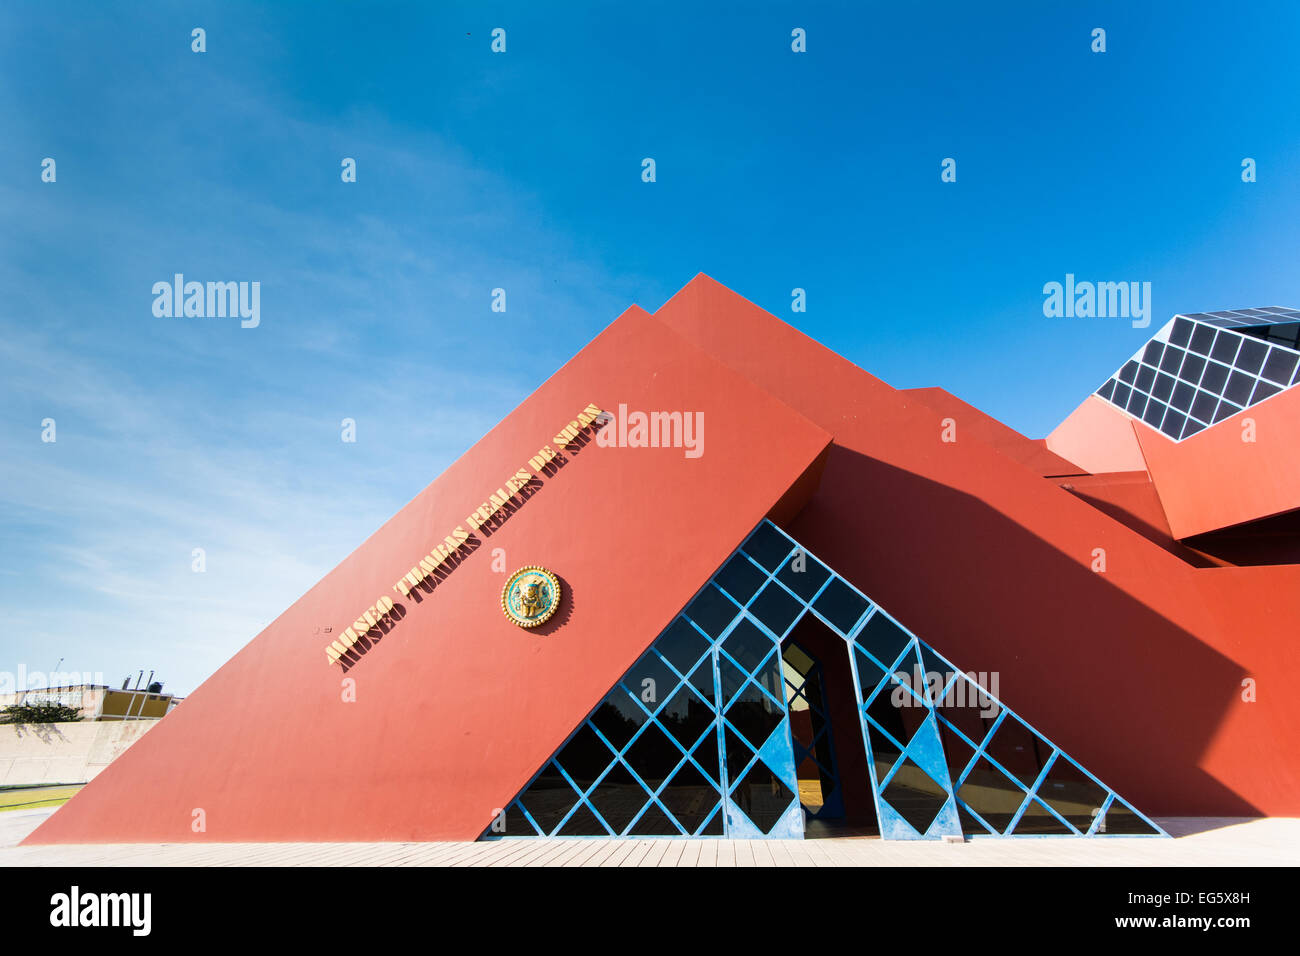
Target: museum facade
point(713, 580)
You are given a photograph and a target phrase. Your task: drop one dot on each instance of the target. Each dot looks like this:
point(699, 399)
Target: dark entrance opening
point(830, 759)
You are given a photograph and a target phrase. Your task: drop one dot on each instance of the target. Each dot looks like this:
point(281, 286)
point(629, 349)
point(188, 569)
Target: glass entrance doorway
point(813, 738)
point(830, 759)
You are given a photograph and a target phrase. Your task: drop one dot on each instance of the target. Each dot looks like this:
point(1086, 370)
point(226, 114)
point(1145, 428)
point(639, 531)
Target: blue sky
point(522, 170)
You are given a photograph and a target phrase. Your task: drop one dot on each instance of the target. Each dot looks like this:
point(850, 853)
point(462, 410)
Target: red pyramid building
point(1077, 570)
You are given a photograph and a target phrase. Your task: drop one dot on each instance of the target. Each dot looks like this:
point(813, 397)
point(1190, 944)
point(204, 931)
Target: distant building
point(99, 702)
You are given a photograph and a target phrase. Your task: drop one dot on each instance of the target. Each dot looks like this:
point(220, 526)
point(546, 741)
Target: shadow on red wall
point(1132, 695)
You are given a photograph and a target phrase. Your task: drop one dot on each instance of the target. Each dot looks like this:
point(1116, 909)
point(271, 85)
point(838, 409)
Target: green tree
point(38, 714)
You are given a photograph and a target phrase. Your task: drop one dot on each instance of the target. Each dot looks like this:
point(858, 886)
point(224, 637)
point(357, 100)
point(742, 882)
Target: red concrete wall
point(455, 707)
point(1136, 671)
point(1130, 498)
point(1257, 610)
point(1215, 479)
point(1030, 452)
point(1099, 438)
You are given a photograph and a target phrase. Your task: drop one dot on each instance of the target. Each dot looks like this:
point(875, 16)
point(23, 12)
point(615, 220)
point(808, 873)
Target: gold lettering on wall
point(423, 573)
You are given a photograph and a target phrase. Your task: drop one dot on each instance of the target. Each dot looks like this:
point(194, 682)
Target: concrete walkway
point(1199, 842)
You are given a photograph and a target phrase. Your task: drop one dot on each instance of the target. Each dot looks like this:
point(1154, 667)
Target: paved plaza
point(1198, 842)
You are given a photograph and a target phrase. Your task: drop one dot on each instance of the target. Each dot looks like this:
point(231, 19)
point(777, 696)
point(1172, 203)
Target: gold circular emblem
point(531, 596)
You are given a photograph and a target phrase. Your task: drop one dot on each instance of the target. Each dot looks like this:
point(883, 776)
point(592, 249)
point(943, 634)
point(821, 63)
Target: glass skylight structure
point(1202, 368)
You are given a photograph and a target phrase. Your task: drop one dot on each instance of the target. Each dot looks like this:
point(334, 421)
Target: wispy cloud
point(175, 434)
